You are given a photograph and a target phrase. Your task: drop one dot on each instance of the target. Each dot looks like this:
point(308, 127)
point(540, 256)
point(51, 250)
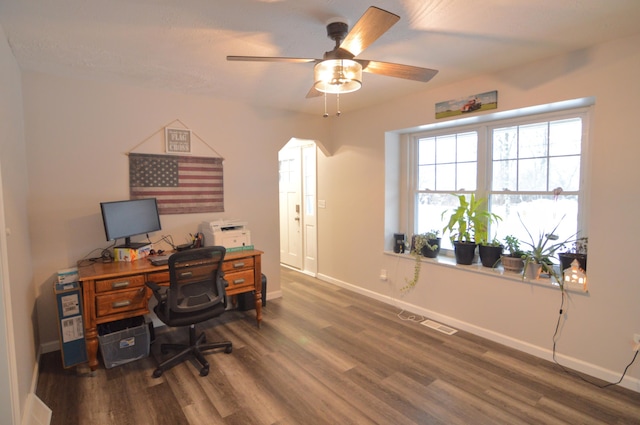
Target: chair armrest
point(159, 292)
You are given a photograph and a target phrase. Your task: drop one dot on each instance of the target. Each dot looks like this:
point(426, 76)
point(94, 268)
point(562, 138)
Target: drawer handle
point(238, 281)
point(238, 265)
point(120, 304)
point(118, 285)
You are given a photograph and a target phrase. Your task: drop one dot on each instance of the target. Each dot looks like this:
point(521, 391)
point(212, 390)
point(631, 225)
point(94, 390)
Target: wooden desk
point(114, 291)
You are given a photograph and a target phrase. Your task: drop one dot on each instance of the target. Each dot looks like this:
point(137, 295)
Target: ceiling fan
point(339, 71)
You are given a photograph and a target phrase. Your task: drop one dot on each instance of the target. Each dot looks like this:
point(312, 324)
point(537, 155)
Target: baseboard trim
point(541, 352)
point(273, 295)
point(35, 411)
point(51, 346)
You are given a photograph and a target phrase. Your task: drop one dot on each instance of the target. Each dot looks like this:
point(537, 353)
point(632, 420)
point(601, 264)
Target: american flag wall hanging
point(181, 184)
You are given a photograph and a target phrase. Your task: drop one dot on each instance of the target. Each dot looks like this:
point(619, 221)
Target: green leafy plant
point(513, 246)
point(420, 241)
point(429, 236)
point(542, 250)
point(409, 284)
point(494, 242)
point(578, 246)
point(470, 220)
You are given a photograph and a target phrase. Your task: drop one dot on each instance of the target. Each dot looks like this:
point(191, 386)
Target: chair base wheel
point(194, 350)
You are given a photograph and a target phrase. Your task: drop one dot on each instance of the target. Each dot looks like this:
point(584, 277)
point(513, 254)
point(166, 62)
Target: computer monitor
point(124, 219)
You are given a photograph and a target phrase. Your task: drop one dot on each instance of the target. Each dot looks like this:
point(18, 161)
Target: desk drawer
point(239, 280)
point(239, 264)
point(117, 284)
point(161, 278)
point(121, 301)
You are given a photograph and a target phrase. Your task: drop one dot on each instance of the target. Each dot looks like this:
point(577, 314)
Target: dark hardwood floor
point(325, 355)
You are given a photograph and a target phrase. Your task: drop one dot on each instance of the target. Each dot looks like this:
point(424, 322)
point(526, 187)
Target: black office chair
point(196, 293)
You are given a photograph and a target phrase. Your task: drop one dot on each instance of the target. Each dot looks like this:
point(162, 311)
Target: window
point(529, 168)
point(446, 163)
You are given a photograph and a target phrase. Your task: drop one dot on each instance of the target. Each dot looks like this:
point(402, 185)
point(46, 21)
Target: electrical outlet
point(383, 275)
point(636, 338)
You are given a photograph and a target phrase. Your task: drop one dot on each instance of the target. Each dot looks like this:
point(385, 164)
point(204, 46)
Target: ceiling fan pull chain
point(338, 105)
point(326, 114)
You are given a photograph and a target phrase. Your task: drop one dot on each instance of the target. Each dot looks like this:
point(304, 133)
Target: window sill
point(444, 260)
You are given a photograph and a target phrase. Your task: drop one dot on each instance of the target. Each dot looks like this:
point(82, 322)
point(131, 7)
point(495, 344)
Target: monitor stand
point(133, 245)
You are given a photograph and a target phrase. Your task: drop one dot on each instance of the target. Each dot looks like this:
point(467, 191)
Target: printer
point(227, 233)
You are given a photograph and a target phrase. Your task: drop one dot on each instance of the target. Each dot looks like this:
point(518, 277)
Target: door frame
point(308, 236)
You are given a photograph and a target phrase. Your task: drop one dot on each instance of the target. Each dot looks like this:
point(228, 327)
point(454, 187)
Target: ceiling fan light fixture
point(337, 76)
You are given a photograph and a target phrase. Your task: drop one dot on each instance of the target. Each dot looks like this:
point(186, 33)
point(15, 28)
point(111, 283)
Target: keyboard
point(159, 260)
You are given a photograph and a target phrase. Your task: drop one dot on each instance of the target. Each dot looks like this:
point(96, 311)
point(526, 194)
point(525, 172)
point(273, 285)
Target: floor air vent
point(439, 327)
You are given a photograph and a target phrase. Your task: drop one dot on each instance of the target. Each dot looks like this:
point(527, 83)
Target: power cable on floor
point(572, 373)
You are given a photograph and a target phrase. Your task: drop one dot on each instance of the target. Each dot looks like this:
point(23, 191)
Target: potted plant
point(468, 223)
point(418, 242)
point(490, 252)
point(430, 243)
point(538, 258)
point(422, 245)
point(512, 261)
point(577, 251)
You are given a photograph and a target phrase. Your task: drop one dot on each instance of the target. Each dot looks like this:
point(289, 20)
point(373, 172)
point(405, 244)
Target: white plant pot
point(532, 271)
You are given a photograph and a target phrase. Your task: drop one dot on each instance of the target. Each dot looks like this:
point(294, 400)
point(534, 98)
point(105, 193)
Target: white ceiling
point(182, 44)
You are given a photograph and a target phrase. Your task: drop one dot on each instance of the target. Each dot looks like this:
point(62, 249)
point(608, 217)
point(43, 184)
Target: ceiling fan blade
point(313, 93)
point(397, 70)
point(368, 29)
point(270, 59)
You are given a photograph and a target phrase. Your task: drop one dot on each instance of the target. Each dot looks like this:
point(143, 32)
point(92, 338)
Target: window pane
point(446, 177)
point(540, 214)
point(429, 213)
point(467, 147)
point(504, 175)
point(446, 149)
point(533, 140)
point(564, 172)
point(467, 173)
point(505, 143)
point(427, 177)
point(427, 151)
point(532, 174)
point(565, 137)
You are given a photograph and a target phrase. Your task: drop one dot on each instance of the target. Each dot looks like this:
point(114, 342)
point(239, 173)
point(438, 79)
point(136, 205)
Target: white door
point(298, 222)
point(290, 188)
point(309, 220)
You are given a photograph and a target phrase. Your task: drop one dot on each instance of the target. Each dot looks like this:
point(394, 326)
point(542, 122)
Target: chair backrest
point(196, 280)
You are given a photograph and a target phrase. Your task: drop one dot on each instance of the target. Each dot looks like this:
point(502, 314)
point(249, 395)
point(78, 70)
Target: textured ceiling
point(182, 45)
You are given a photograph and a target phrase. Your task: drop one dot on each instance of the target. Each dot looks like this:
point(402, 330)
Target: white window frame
point(484, 127)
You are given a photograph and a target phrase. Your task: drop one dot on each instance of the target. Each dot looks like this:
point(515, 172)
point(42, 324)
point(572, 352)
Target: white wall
point(17, 300)
point(77, 135)
point(597, 333)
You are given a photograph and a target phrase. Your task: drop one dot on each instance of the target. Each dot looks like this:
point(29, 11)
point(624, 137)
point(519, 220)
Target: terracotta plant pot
point(512, 264)
point(532, 271)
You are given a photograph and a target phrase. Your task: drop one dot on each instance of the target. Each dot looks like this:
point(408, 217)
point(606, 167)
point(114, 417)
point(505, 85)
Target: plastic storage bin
point(124, 341)
point(247, 301)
